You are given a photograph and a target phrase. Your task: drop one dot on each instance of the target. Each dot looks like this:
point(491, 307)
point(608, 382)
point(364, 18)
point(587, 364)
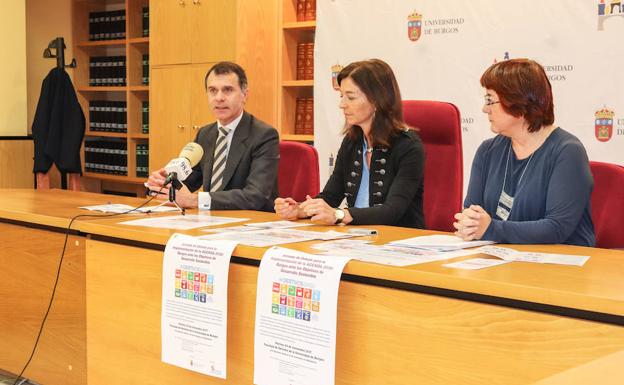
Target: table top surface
point(598, 286)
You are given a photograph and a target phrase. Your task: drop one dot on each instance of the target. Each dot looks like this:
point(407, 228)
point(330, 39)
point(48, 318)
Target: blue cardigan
point(552, 191)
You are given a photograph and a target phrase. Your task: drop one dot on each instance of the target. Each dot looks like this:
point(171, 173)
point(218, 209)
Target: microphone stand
point(175, 185)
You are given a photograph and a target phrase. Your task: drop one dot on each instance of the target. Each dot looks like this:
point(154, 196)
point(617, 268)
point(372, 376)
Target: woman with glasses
point(379, 166)
point(531, 183)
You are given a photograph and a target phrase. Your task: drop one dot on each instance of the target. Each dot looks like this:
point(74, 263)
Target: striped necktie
point(218, 163)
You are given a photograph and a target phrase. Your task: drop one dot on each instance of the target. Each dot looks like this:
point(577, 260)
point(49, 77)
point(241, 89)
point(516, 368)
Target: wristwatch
point(339, 214)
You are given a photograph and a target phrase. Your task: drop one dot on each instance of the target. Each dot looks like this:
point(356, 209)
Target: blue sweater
point(552, 191)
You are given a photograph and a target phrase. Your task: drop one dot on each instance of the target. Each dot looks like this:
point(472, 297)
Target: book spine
point(310, 10)
point(308, 125)
point(301, 61)
point(300, 108)
point(301, 10)
point(309, 61)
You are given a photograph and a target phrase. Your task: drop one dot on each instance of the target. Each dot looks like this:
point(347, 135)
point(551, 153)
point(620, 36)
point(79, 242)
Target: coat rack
point(59, 45)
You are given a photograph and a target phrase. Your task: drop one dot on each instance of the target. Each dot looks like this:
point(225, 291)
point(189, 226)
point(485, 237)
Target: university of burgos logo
point(335, 70)
point(414, 26)
point(608, 9)
point(604, 124)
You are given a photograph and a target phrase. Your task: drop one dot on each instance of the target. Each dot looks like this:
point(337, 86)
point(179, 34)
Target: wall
point(13, 90)
point(45, 20)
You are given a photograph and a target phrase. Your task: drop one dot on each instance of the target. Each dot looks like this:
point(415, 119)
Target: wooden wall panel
point(16, 158)
point(29, 260)
point(385, 336)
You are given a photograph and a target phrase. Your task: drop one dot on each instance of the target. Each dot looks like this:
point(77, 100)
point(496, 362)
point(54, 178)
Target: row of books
point(106, 155)
point(145, 118)
point(107, 71)
point(109, 25)
point(145, 21)
point(306, 10)
point(142, 160)
point(108, 116)
point(304, 116)
point(145, 64)
point(305, 61)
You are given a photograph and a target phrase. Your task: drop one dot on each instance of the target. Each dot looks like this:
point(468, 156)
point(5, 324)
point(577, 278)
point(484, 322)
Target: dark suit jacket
point(250, 176)
point(59, 125)
point(395, 183)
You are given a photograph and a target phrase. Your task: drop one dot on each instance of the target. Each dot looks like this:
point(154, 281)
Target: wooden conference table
point(518, 323)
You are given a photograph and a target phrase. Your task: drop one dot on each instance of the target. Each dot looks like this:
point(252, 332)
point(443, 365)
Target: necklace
point(505, 201)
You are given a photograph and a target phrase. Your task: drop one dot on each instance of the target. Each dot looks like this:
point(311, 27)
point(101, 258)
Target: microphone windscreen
point(193, 152)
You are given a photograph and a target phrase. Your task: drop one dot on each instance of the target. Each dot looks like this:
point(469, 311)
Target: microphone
point(180, 168)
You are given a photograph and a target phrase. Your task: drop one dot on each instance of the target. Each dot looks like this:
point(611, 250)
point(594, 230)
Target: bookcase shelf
point(300, 26)
point(102, 43)
point(106, 134)
point(298, 83)
point(134, 93)
point(298, 138)
point(114, 178)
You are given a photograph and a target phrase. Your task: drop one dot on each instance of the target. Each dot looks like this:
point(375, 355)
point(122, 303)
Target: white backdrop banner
point(438, 50)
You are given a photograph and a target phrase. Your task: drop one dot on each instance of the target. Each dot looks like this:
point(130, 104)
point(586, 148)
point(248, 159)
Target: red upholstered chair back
point(298, 173)
point(438, 125)
point(608, 204)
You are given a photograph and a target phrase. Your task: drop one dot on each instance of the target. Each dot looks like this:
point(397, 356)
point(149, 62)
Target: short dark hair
point(228, 67)
point(376, 80)
point(523, 89)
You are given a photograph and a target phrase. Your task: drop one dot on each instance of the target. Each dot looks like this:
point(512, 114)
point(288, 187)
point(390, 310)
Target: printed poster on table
point(194, 304)
point(295, 336)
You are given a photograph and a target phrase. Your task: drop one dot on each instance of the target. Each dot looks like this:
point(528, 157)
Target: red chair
point(298, 172)
point(607, 202)
point(438, 125)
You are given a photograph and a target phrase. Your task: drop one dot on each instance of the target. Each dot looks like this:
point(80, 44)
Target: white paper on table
point(272, 237)
point(278, 224)
point(296, 302)
point(439, 242)
point(387, 254)
point(183, 222)
point(475, 263)
point(529, 256)
point(341, 244)
point(194, 304)
point(119, 208)
point(231, 229)
point(260, 238)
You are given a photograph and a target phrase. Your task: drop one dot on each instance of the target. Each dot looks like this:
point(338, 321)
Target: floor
point(9, 379)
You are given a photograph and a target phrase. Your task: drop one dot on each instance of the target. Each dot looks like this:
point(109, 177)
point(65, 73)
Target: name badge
point(506, 200)
point(505, 203)
point(502, 213)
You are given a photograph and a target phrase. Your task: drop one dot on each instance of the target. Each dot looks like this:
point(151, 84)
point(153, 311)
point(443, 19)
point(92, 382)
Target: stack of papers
point(386, 254)
point(438, 242)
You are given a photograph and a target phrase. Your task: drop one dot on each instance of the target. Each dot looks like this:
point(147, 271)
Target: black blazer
point(250, 176)
point(395, 183)
point(59, 125)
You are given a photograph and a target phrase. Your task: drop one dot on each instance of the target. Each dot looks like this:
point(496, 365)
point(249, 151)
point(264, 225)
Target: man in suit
point(239, 168)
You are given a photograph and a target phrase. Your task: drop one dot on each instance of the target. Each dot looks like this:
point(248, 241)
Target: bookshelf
point(295, 120)
point(116, 29)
